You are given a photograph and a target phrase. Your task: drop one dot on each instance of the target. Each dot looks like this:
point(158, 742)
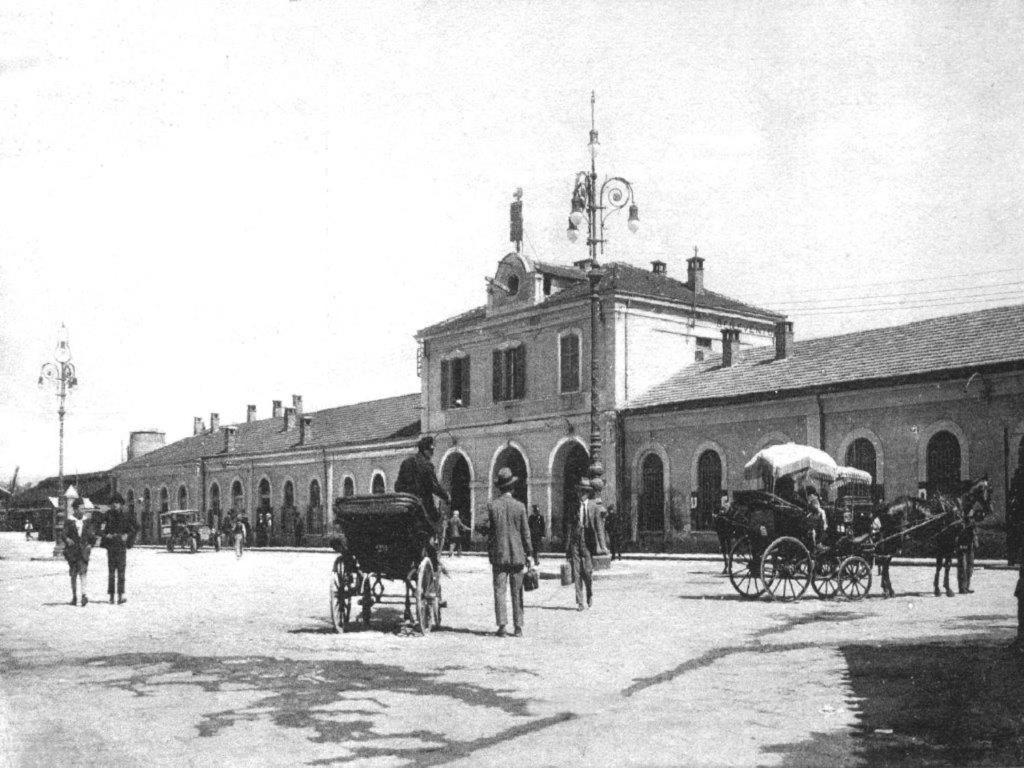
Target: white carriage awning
point(790, 458)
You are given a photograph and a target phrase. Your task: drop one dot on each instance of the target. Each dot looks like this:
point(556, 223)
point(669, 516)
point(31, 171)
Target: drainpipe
point(623, 482)
point(202, 488)
point(821, 423)
point(327, 497)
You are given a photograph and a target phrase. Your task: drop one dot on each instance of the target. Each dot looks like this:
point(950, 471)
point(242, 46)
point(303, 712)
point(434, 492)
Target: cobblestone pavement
point(218, 661)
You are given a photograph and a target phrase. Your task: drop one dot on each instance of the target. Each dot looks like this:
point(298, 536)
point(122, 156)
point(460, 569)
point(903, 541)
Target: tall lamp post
point(60, 373)
point(591, 207)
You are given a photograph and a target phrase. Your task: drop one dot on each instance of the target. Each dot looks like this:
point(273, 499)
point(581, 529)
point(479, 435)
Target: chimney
point(695, 274)
point(250, 413)
point(297, 404)
point(289, 418)
point(783, 339)
point(658, 267)
point(305, 429)
point(197, 425)
point(730, 345)
point(275, 410)
point(229, 438)
point(214, 422)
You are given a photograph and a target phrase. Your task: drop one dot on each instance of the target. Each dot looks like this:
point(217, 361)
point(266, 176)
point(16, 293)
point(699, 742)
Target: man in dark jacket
point(79, 535)
point(581, 541)
point(416, 476)
point(509, 549)
point(536, 532)
point(118, 534)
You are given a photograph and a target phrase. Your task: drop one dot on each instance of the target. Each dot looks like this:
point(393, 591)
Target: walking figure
point(581, 540)
point(79, 536)
point(118, 534)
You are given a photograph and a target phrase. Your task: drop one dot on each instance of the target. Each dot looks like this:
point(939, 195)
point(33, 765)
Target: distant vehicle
point(183, 529)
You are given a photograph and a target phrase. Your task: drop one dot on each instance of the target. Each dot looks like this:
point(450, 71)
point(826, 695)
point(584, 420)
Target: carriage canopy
point(790, 458)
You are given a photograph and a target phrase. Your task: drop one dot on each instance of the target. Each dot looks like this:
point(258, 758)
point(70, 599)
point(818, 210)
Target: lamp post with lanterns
point(60, 373)
point(591, 207)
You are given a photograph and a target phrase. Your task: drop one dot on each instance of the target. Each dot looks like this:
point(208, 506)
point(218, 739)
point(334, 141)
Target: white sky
point(231, 202)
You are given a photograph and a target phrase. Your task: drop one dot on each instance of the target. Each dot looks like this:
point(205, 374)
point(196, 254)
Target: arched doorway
point(237, 497)
point(571, 463)
point(511, 457)
point(455, 476)
point(182, 497)
point(315, 511)
point(377, 485)
point(861, 454)
point(942, 471)
point(709, 489)
point(213, 518)
point(651, 511)
point(348, 488)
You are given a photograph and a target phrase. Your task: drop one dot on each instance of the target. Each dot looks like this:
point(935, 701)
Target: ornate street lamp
point(61, 375)
point(590, 208)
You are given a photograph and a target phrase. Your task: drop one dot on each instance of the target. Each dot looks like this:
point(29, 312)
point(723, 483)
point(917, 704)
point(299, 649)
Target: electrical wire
point(867, 308)
point(960, 290)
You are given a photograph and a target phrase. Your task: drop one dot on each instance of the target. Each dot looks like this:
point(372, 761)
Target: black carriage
point(386, 537)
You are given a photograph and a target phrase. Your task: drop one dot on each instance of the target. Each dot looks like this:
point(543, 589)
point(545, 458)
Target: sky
point(231, 202)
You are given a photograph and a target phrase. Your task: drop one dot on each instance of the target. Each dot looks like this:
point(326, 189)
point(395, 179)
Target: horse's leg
point(883, 571)
point(725, 544)
point(948, 565)
point(938, 568)
point(961, 572)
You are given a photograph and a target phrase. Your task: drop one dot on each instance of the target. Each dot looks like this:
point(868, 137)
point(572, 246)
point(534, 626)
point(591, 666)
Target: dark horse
point(943, 525)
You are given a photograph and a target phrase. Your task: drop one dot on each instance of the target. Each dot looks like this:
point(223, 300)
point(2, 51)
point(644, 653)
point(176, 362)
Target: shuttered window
point(455, 382)
point(569, 363)
point(508, 373)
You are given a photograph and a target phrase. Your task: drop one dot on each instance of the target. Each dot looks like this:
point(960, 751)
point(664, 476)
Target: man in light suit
point(79, 536)
point(581, 539)
point(509, 549)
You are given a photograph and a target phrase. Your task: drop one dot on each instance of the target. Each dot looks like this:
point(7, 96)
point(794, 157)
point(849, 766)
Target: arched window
point(215, 498)
point(165, 503)
point(709, 489)
point(182, 497)
point(264, 495)
point(943, 463)
point(147, 501)
point(314, 493)
point(377, 486)
point(348, 488)
point(237, 496)
point(861, 454)
point(289, 494)
point(652, 494)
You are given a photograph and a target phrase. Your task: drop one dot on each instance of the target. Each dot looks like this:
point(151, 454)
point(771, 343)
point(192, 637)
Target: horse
point(946, 522)
point(725, 529)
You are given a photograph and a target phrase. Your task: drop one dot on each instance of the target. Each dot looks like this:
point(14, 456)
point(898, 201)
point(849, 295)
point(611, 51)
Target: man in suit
point(509, 549)
point(581, 540)
point(536, 520)
point(119, 531)
point(79, 535)
point(416, 475)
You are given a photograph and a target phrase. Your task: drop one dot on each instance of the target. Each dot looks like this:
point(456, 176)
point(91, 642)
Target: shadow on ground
point(337, 701)
point(930, 703)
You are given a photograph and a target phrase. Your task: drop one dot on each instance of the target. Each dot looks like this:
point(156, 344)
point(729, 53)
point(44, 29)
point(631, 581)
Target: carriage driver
point(416, 475)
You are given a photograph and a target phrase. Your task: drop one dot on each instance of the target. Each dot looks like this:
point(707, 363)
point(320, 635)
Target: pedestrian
point(614, 525)
point(454, 530)
point(118, 534)
point(581, 540)
point(79, 535)
point(536, 520)
point(28, 530)
point(509, 549)
point(1015, 516)
point(298, 529)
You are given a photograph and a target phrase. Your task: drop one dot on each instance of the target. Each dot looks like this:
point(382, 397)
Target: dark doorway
point(943, 463)
point(652, 495)
point(709, 489)
point(511, 457)
point(572, 462)
point(455, 477)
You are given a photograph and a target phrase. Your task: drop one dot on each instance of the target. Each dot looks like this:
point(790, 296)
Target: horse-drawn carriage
point(380, 538)
point(780, 547)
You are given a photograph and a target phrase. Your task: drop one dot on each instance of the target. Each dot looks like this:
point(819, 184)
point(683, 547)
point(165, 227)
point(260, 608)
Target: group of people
point(115, 533)
point(513, 537)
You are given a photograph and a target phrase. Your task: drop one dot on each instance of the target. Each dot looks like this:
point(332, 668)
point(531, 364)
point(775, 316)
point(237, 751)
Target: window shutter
point(465, 380)
point(519, 372)
point(445, 382)
point(574, 364)
point(496, 371)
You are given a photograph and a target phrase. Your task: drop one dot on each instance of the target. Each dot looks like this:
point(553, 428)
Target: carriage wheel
point(825, 576)
point(786, 569)
point(367, 600)
point(193, 545)
point(341, 598)
point(426, 594)
point(854, 577)
point(744, 570)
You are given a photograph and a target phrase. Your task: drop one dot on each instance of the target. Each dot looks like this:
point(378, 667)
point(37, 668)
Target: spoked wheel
point(825, 576)
point(854, 577)
point(786, 569)
point(744, 570)
point(341, 597)
point(427, 596)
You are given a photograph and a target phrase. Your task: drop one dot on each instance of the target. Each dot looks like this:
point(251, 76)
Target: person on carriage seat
point(815, 508)
point(416, 475)
point(785, 489)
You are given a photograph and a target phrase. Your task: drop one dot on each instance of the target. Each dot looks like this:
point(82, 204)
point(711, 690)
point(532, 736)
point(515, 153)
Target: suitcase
point(565, 572)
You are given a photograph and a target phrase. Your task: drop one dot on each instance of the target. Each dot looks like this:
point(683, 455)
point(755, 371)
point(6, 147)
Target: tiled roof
point(950, 343)
point(392, 418)
point(560, 270)
point(456, 322)
point(95, 486)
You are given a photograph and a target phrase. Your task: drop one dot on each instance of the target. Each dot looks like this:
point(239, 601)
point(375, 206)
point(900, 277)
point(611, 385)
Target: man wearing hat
point(509, 549)
point(118, 534)
point(416, 475)
point(581, 539)
point(79, 535)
